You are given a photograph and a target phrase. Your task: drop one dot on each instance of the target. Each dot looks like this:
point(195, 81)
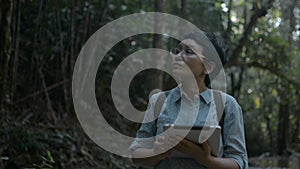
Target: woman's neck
point(191, 88)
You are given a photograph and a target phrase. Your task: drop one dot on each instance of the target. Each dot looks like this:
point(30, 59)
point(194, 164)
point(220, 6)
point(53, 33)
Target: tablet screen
point(211, 134)
point(185, 127)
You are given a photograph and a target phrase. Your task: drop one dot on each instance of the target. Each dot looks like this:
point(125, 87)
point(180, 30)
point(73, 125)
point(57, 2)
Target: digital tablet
point(211, 134)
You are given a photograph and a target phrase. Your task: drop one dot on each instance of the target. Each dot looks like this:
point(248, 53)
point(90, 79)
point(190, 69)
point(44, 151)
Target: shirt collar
point(205, 95)
point(175, 94)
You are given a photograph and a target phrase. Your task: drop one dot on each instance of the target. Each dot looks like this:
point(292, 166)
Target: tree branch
point(258, 13)
point(280, 74)
point(53, 86)
point(227, 33)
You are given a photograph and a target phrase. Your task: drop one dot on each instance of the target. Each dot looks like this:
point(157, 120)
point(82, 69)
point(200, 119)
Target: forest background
point(40, 41)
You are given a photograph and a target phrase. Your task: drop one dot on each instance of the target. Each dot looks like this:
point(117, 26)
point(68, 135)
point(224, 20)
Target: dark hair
point(219, 46)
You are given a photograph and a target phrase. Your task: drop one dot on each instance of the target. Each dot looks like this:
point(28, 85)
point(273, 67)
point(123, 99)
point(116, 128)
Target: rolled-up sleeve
point(233, 133)
point(145, 135)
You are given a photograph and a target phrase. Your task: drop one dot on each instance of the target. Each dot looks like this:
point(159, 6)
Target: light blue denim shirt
point(233, 144)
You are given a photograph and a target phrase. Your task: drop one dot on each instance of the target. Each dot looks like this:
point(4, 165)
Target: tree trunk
point(182, 15)
point(156, 81)
point(236, 79)
point(283, 123)
point(267, 109)
point(296, 132)
point(5, 48)
point(16, 42)
point(227, 32)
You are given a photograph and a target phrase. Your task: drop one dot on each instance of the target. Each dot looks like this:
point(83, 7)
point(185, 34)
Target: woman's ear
point(209, 67)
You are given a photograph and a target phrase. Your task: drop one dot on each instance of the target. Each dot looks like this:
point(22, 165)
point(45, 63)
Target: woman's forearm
point(150, 159)
point(219, 163)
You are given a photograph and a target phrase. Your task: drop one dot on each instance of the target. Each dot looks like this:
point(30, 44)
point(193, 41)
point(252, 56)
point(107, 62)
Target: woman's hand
point(160, 151)
point(200, 152)
point(161, 148)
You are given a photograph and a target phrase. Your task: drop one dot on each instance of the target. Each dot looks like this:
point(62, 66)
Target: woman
point(194, 55)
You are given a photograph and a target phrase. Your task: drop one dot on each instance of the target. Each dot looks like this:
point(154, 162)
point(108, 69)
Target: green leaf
point(50, 156)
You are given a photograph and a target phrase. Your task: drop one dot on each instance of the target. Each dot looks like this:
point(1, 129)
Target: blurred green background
point(40, 41)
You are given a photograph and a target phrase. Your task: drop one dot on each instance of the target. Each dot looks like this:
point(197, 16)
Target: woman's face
point(188, 55)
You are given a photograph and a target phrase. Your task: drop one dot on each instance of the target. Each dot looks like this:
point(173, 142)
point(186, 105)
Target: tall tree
point(5, 47)
point(159, 6)
point(283, 123)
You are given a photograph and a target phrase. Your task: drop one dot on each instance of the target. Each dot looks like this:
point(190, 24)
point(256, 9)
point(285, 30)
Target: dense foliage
point(40, 41)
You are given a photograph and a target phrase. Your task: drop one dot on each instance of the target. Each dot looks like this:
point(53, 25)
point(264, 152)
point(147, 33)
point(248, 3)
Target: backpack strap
point(159, 104)
point(220, 109)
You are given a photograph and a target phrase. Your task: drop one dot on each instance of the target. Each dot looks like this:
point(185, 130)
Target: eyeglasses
point(186, 52)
